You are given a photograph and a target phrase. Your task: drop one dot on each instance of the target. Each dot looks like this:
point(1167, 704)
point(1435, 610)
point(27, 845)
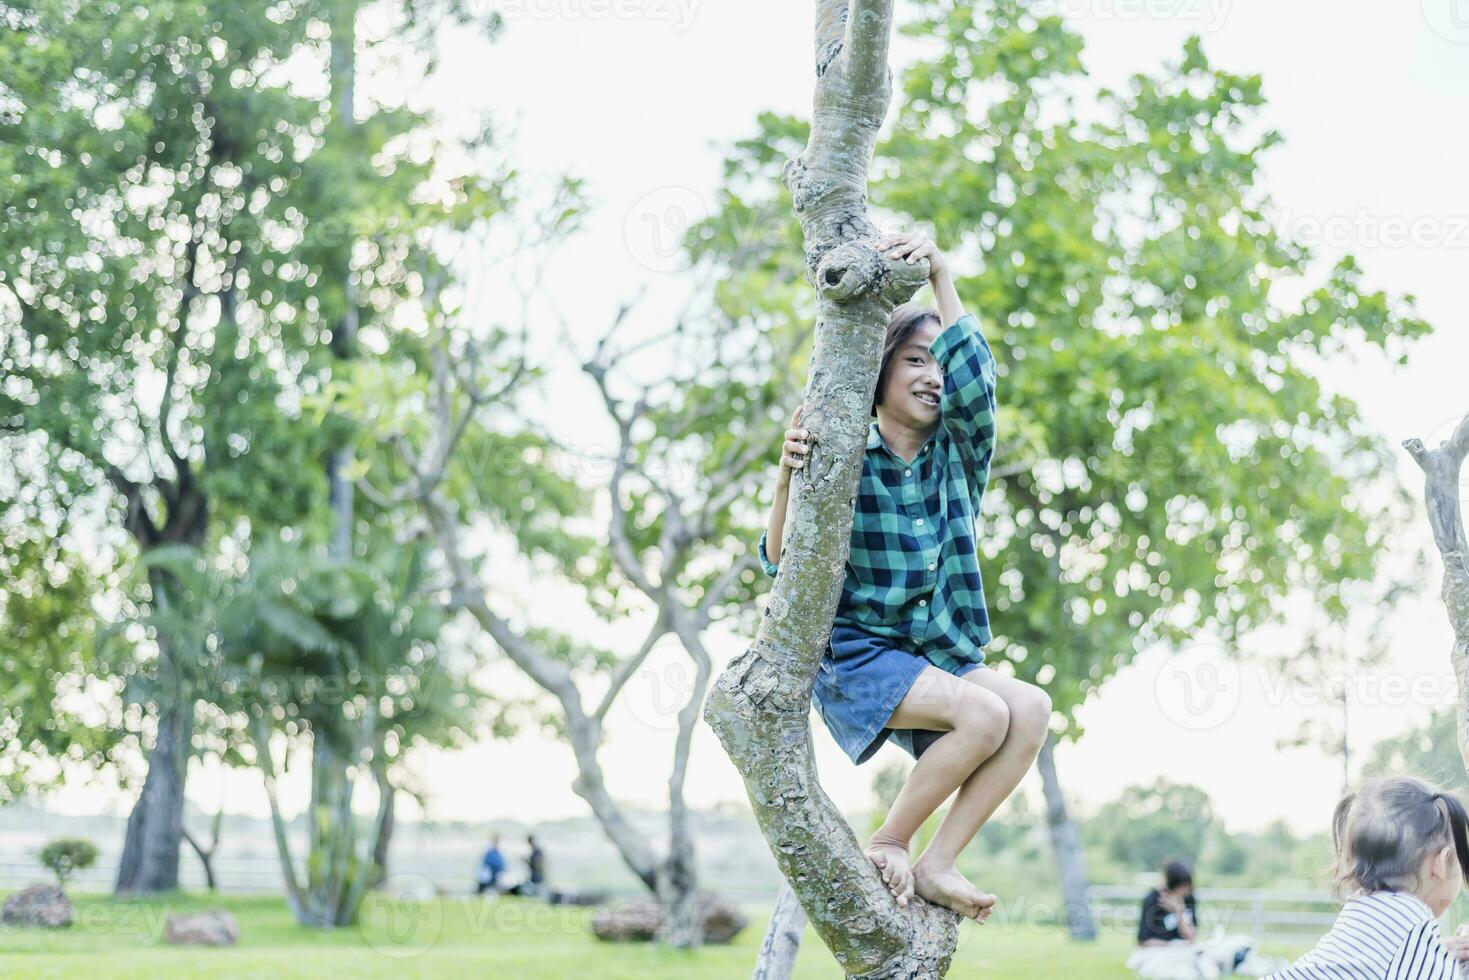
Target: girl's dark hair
point(904, 320)
point(1176, 873)
point(1384, 832)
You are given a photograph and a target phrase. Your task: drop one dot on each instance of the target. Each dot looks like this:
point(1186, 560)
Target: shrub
point(67, 855)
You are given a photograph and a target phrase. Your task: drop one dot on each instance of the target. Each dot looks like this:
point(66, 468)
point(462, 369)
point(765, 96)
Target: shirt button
point(920, 522)
point(907, 472)
point(923, 602)
point(932, 566)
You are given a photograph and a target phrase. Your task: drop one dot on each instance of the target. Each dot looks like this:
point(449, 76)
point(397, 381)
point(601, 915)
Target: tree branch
point(624, 670)
point(760, 705)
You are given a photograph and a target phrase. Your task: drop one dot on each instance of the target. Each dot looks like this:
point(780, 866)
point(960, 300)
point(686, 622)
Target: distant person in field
point(1171, 913)
point(535, 865)
point(492, 867)
point(906, 656)
point(1402, 854)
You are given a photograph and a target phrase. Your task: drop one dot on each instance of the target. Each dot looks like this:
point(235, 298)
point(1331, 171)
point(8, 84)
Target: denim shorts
point(862, 680)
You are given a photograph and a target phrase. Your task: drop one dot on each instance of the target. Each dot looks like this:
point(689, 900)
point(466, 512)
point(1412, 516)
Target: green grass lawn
point(465, 937)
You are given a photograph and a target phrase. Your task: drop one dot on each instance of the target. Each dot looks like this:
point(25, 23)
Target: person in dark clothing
point(1171, 913)
point(492, 867)
point(536, 865)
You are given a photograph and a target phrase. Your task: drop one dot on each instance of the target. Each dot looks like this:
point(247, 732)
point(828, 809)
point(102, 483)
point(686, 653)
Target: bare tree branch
point(626, 668)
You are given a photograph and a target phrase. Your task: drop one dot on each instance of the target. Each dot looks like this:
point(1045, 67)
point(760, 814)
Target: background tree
point(1337, 653)
point(1429, 750)
point(1148, 825)
point(1442, 468)
point(672, 546)
point(194, 234)
point(152, 322)
point(1195, 471)
point(50, 659)
point(306, 648)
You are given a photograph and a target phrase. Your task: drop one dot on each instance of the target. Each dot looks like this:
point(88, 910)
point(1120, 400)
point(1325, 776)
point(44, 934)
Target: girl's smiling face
point(915, 382)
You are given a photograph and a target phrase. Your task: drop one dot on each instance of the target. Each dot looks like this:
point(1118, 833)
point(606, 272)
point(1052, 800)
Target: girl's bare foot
point(891, 860)
point(947, 887)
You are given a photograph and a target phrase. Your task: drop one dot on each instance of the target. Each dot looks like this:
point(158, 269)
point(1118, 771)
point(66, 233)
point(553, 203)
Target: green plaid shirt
point(913, 570)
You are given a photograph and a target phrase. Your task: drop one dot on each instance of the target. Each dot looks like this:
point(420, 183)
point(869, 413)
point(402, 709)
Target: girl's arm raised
point(793, 457)
point(967, 405)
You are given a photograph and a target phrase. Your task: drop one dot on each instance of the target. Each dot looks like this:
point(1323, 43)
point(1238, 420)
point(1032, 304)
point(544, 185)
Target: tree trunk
point(155, 828)
point(1442, 468)
point(1066, 845)
point(150, 851)
point(335, 873)
point(782, 943)
point(682, 921)
point(386, 818)
point(331, 865)
point(760, 705)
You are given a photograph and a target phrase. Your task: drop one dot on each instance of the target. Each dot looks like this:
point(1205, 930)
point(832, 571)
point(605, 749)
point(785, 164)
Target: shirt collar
point(874, 440)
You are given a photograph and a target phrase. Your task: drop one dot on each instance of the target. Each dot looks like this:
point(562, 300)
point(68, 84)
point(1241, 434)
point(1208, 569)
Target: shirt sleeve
point(765, 563)
point(968, 402)
point(1145, 920)
point(1423, 957)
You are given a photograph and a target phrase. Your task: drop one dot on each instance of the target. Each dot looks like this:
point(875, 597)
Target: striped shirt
point(1381, 936)
point(913, 569)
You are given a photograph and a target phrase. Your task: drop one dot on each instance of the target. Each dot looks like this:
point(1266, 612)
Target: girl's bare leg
point(976, 720)
point(1029, 708)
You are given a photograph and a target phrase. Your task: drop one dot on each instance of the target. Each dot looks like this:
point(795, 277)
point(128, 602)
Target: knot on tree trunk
point(855, 269)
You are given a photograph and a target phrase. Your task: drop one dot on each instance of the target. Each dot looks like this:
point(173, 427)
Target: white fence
point(1284, 916)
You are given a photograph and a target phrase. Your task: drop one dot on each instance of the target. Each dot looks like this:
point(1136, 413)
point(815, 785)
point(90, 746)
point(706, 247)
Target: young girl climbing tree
point(906, 656)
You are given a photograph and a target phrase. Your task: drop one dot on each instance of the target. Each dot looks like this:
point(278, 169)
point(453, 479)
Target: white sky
point(1371, 96)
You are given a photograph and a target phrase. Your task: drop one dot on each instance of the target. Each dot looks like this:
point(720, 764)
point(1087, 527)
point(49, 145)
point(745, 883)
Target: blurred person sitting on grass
point(1171, 913)
point(1168, 946)
point(492, 867)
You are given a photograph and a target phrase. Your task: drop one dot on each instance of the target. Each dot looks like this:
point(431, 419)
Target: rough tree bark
point(761, 704)
point(1442, 468)
point(1066, 845)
